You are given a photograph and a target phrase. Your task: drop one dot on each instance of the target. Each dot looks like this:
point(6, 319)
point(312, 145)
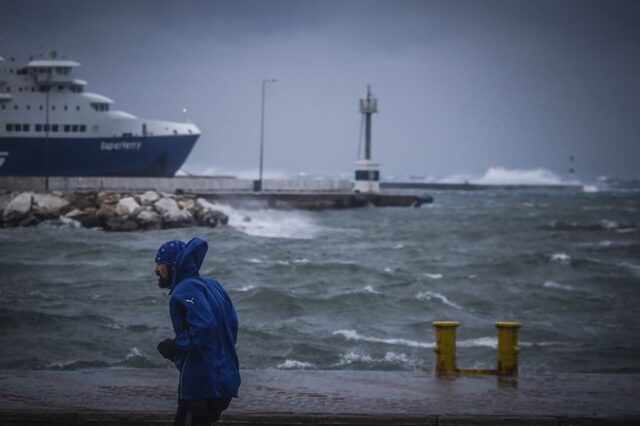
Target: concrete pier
point(148, 396)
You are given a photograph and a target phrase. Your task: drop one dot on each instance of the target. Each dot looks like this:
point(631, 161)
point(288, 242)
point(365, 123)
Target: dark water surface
point(351, 289)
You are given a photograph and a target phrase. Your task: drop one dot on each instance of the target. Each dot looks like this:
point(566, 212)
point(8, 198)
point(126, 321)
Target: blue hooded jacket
point(206, 328)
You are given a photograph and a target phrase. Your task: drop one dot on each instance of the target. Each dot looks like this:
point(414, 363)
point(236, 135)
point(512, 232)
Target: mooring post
point(508, 348)
point(446, 347)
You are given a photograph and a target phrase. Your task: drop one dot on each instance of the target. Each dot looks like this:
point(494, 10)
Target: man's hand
point(167, 349)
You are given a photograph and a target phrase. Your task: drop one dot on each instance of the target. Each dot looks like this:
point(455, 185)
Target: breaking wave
point(428, 295)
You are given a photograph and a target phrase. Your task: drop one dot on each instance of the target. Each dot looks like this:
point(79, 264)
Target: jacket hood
point(189, 261)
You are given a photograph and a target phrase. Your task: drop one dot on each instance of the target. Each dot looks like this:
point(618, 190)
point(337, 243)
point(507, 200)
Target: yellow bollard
point(446, 347)
point(508, 348)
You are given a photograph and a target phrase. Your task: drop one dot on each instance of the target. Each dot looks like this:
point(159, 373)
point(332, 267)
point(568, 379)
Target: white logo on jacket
point(190, 301)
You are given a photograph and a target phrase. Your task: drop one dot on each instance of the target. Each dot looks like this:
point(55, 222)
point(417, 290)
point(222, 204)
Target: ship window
point(41, 108)
point(53, 107)
point(9, 127)
point(78, 108)
point(38, 127)
point(74, 128)
point(26, 127)
point(15, 107)
point(54, 127)
point(83, 127)
point(46, 127)
point(28, 107)
point(67, 127)
point(16, 127)
point(65, 107)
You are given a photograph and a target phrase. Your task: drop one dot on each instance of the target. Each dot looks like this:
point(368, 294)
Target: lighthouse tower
point(367, 178)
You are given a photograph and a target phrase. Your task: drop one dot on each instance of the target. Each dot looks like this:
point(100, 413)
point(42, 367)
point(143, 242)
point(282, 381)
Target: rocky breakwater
point(108, 210)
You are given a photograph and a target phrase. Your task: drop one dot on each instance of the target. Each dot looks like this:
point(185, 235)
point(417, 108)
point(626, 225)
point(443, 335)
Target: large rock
point(107, 198)
point(207, 215)
point(81, 200)
point(18, 207)
point(48, 205)
point(149, 219)
point(106, 212)
point(127, 207)
point(149, 197)
point(172, 215)
point(87, 218)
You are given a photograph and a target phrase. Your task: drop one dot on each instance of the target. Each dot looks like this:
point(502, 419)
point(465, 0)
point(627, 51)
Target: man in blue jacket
point(206, 330)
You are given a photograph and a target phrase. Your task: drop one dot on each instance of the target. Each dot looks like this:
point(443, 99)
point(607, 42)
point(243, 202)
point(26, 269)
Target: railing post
point(446, 347)
point(508, 348)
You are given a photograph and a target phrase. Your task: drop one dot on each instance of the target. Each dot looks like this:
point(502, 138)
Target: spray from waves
point(271, 223)
point(355, 336)
point(504, 176)
point(560, 258)
point(432, 276)
point(480, 342)
point(134, 359)
point(392, 358)
point(428, 295)
point(292, 364)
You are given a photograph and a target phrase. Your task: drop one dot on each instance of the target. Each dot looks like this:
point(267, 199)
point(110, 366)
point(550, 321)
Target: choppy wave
point(390, 358)
point(553, 284)
point(292, 364)
point(271, 223)
point(504, 176)
point(563, 258)
point(603, 225)
point(428, 295)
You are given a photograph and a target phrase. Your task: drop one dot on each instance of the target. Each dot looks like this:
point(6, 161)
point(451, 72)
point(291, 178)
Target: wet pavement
point(130, 396)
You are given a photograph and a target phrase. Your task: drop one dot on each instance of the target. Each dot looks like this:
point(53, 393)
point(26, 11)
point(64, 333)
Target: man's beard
point(164, 284)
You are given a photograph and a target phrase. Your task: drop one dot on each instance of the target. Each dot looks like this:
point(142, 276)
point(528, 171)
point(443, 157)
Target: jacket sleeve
point(199, 321)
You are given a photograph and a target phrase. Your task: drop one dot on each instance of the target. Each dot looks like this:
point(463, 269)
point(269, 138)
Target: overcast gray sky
point(462, 85)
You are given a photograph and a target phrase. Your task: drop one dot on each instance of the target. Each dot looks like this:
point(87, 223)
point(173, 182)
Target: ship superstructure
point(50, 125)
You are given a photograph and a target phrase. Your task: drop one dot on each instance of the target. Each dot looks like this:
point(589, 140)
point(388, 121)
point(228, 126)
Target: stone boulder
point(149, 197)
point(149, 219)
point(87, 218)
point(81, 200)
point(128, 207)
point(172, 215)
point(18, 208)
point(207, 215)
point(106, 212)
point(47, 206)
point(107, 198)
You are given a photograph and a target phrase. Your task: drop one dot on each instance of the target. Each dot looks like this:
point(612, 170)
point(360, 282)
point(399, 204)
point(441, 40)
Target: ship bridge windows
point(100, 106)
point(25, 127)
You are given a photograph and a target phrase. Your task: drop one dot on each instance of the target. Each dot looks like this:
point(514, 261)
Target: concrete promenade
point(147, 396)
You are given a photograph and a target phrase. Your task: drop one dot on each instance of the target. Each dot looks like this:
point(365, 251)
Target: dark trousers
point(201, 412)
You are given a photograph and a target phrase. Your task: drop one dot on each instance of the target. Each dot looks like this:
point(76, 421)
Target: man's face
point(163, 272)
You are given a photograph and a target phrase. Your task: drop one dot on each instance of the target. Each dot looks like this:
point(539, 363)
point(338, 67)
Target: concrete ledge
point(148, 397)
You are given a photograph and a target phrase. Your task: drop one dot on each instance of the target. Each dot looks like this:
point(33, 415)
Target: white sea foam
point(363, 357)
point(388, 270)
point(254, 260)
point(432, 276)
point(503, 176)
point(271, 223)
point(398, 246)
point(294, 365)
point(302, 261)
point(480, 342)
point(355, 336)
point(428, 295)
point(368, 289)
point(352, 356)
point(134, 353)
point(561, 258)
point(590, 188)
point(246, 288)
point(553, 284)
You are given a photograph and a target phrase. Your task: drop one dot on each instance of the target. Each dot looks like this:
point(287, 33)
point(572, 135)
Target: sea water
point(351, 289)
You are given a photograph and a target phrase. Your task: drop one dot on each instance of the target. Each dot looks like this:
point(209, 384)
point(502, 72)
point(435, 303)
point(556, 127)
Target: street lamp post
point(264, 83)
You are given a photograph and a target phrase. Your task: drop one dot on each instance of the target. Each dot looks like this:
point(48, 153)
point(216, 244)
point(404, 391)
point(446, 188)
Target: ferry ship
point(51, 126)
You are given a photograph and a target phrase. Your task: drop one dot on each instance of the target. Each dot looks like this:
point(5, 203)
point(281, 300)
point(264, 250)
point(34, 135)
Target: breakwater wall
point(186, 184)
